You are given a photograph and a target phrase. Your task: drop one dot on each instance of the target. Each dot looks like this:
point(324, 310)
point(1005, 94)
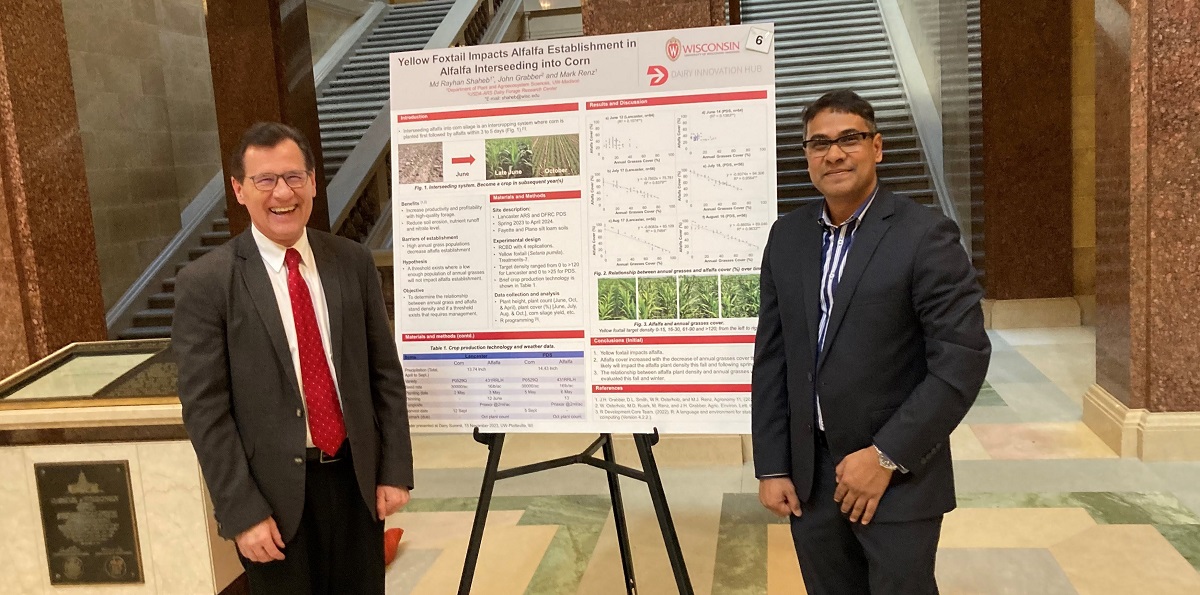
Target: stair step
point(163, 300)
point(195, 253)
point(154, 317)
point(214, 238)
point(145, 332)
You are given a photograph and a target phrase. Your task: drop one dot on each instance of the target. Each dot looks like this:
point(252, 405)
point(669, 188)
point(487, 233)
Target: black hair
point(268, 135)
point(842, 101)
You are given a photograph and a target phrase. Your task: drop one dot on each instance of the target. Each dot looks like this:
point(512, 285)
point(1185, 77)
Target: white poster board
point(578, 226)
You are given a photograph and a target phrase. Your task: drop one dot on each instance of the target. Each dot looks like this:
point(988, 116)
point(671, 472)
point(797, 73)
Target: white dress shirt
point(273, 256)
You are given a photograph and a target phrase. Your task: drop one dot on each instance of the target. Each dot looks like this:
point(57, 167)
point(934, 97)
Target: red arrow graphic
point(658, 75)
point(469, 160)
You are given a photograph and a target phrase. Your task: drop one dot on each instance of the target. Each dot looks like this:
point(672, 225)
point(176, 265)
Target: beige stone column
point(49, 277)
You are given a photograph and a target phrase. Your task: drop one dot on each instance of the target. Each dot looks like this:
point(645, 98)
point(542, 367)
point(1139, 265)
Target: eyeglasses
point(267, 182)
point(850, 143)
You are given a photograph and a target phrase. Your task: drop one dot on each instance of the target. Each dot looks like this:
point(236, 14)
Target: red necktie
point(325, 421)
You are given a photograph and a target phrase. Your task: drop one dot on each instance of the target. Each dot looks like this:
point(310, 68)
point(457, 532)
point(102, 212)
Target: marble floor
point(1044, 506)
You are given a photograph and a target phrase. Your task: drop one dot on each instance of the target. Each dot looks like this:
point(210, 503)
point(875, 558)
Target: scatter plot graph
point(620, 138)
point(623, 243)
point(738, 181)
point(713, 130)
point(712, 242)
point(686, 186)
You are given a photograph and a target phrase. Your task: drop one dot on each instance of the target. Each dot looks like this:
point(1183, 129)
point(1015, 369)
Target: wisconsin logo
point(658, 75)
point(674, 49)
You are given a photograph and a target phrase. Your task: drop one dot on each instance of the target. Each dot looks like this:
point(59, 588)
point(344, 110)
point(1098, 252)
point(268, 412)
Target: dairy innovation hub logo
point(658, 75)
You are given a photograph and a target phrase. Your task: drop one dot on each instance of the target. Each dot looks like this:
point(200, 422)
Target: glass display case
point(104, 373)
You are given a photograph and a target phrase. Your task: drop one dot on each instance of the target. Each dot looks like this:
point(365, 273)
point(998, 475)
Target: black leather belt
point(313, 454)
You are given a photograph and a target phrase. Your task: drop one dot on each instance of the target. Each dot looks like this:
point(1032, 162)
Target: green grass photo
point(657, 298)
point(739, 296)
point(616, 299)
point(698, 297)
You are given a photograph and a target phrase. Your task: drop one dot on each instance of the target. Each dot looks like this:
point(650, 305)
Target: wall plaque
point(89, 523)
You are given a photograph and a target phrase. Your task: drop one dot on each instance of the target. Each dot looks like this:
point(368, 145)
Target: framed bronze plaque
point(89, 523)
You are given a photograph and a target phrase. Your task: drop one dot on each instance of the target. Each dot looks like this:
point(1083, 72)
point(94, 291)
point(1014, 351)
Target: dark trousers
point(339, 546)
point(838, 557)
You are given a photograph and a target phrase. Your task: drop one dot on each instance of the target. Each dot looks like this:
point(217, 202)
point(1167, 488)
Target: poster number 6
point(759, 40)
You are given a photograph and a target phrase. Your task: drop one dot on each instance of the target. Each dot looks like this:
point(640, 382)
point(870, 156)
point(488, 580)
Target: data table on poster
point(547, 385)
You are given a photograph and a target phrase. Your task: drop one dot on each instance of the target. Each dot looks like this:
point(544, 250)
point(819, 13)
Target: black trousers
point(339, 546)
point(838, 557)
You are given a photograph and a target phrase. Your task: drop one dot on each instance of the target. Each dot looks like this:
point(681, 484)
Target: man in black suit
point(291, 386)
point(870, 350)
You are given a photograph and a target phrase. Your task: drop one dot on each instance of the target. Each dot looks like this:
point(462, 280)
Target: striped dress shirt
point(835, 251)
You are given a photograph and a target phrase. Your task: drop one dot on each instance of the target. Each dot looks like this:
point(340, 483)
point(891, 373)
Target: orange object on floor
point(391, 542)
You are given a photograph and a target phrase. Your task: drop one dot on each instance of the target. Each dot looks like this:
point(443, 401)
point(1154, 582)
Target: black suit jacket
point(241, 399)
point(905, 351)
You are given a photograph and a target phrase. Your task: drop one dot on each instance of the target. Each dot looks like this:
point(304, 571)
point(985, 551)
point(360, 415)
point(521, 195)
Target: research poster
point(578, 226)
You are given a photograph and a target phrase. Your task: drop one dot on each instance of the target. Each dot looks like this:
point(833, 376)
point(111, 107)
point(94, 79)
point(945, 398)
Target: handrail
point(927, 120)
point(450, 32)
point(343, 49)
point(346, 188)
point(502, 21)
point(211, 199)
point(359, 194)
point(208, 202)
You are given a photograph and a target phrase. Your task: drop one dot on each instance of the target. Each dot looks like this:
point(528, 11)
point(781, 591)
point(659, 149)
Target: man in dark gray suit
point(292, 390)
point(870, 350)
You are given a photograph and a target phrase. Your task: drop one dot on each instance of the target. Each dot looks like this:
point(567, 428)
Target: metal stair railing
point(821, 45)
point(343, 78)
point(360, 193)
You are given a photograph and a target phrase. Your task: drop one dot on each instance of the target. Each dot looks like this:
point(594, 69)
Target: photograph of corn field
point(617, 299)
point(532, 157)
point(657, 298)
point(698, 297)
point(419, 163)
point(556, 156)
point(739, 296)
point(508, 158)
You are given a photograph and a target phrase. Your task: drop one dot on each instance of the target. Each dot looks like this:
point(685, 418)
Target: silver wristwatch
point(885, 462)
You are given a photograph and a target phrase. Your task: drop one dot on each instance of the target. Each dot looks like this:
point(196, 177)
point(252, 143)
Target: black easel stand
point(648, 474)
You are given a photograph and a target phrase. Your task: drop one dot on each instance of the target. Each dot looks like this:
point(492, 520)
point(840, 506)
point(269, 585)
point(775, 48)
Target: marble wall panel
point(167, 497)
point(258, 42)
point(1026, 69)
point(175, 517)
point(604, 17)
point(21, 529)
point(47, 262)
point(1114, 321)
point(88, 452)
point(1172, 200)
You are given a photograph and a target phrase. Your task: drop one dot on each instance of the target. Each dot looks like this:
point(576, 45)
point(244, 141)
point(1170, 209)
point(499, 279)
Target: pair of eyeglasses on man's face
point(267, 182)
point(849, 143)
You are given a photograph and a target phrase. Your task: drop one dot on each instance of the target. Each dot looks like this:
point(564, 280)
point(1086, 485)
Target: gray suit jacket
point(241, 399)
point(905, 351)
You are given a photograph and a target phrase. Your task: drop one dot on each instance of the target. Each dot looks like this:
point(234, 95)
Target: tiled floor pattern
point(1044, 507)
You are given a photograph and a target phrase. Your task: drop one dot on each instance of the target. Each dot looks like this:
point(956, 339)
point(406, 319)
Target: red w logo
point(658, 75)
point(674, 49)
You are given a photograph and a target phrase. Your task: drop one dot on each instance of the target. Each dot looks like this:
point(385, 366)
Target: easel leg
point(644, 443)
point(614, 490)
point(495, 443)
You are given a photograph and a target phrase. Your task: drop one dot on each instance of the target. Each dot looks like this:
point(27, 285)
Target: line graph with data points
point(684, 186)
